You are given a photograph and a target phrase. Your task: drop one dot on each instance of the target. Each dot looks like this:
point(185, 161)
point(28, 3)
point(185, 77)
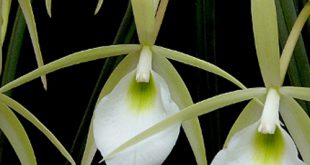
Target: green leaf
point(30, 21)
point(249, 115)
point(98, 7)
point(265, 30)
point(189, 60)
point(302, 93)
point(181, 96)
point(298, 124)
point(72, 59)
point(144, 15)
point(128, 64)
point(192, 111)
point(17, 136)
point(291, 43)
point(48, 5)
point(27, 115)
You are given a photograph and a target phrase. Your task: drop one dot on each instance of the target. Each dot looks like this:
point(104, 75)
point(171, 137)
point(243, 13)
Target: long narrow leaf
point(189, 60)
point(17, 136)
point(29, 17)
point(190, 112)
point(265, 30)
point(181, 96)
point(292, 40)
point(27, 115)
point(298, 124)
point(72, 59)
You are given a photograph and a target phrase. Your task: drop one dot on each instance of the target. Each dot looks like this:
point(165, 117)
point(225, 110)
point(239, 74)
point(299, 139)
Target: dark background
point(74, 27)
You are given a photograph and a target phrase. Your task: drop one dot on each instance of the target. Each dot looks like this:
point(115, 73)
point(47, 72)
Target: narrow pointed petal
point(249, 115)
point(182, 98)
point(31, 24)
point(195, 62)
point(302, 93)
point(48, 5)
point(72, 59)
point(249, 147)
point(17, 136)
point(145, 20)
point(130, 108)
point(298, 124)
point(90, 148)
point(98, 7)
point(265, 30)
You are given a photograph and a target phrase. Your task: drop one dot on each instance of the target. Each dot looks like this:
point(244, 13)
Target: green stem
point(206, 49)
point(124, 35)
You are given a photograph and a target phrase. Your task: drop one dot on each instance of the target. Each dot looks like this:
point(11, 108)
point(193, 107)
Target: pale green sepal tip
point(48, 4)
point(267, 145)
point(16, 135)
point(98, 7)
point(142, 95)
point(90, 148)
point(31, 24)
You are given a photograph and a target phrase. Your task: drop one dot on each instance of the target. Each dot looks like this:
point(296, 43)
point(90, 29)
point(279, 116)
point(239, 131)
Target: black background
point(74, 27)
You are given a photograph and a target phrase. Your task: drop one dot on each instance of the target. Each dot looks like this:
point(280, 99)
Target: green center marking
point(269, 148)
point(141, 95)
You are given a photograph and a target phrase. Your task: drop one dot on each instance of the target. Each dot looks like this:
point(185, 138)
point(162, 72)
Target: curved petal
point(249, 147)
point(182, 98)
point(298, 124)
point(130, 108)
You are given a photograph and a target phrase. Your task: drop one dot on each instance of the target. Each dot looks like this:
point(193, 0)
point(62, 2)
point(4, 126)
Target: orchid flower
point(143, 90)
point(257, 136)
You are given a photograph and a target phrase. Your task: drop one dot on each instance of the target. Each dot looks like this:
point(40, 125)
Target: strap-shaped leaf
point(98, 7)
point(181, 96)
point(302, 93)
point(30, 21)
point(265, 30)
point(27, 115)
point(249, 115)
point(292, 40)
point(298, 124)
point(192, 111)
point(189, 60)
point(72, 59)
point(17, 136)
point(48, 5)
point(145, 20)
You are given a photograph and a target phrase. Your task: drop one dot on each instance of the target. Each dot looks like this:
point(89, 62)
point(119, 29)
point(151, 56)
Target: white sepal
point(127, 111)
point(249, 147)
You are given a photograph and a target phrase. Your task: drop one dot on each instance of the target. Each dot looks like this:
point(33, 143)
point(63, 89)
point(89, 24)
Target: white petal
point(249, 147)
point(124, 113)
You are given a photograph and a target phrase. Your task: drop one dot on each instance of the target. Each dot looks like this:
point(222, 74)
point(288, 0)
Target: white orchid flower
point(257, 136)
